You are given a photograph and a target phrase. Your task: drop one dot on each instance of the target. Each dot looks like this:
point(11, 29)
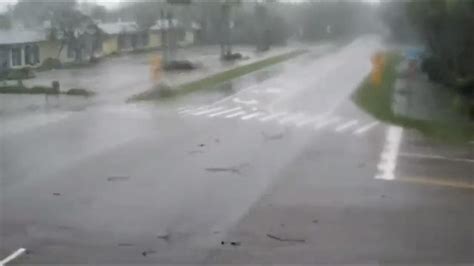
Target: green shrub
point(79, 92)
point(13, 89)
point(43, 90)
point(21, 73)
point(50, 63)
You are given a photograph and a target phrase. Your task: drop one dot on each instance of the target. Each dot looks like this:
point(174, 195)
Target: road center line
point(236, 114)
point(366, 128)
point(13, 256)
point(225, 112)
point(250, 116)
point(434, 157)
point(347, 125)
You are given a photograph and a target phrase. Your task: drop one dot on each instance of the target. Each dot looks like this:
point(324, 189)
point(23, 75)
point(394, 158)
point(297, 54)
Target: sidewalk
point(116, 79)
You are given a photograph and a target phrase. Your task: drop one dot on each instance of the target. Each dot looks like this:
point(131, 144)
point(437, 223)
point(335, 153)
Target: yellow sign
point(155, 67)
point(378, 64)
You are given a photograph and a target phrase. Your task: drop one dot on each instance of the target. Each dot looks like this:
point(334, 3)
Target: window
point(145, 39)
point(28, 59)
point(16, 56)
point(35, 54)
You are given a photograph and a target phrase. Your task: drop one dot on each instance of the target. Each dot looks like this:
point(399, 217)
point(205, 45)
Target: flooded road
point(283, 169)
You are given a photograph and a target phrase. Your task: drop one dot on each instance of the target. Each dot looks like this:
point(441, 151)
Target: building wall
point(110, 45)
point(50, 49)
point(155, 40)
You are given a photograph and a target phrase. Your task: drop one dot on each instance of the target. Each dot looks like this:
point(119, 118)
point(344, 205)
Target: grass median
point(213, 81)
point(377, 100)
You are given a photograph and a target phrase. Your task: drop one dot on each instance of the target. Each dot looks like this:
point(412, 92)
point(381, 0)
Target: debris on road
point(117, 178)
point(272, 137)
point(164, 237)
point(148, 252)
point(202, 145)
point(56, 194)
point(286, 239)
point(232, 170)
point(125, 245)
point(315, 221)
point(232, 243)
point(216, 140)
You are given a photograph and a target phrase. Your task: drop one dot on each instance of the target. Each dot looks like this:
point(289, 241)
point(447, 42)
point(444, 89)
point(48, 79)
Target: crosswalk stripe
point(347, 125)
point(225, 112)
point(365, 128)
point(236, 114)
point(327, 122)
point(272, 116)
point(250, 116)
point(207, 111)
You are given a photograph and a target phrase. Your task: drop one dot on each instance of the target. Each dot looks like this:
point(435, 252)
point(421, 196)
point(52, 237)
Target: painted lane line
point(439, 182)
point(366, 128)
point(346, 126)
point(250, 116)
point(434, 157)
point(236, 114)
point(272, 116)
point(207, 111)
point(247, 102)
point(225, 112)
point(389, 156)
point(13, 256)
point(291, 118)
point(190, 110)
point(327, 122)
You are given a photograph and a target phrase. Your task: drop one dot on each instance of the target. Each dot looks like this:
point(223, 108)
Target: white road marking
point(346, 126)
point(250, 116)
point(389, 156)
point(366, 128)
point(194, 109)
point(13, 256)
point(327, 122)
point(225, 112)
point(236, 114)
point(207, 111)
point(435, 157)
point(272, 116)
point(247, 102)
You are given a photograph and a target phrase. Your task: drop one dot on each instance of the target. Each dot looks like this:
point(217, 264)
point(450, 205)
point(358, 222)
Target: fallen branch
point(286, 239)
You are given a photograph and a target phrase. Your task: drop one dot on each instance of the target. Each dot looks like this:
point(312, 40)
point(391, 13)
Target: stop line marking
point(12, 256)
point(299, 120)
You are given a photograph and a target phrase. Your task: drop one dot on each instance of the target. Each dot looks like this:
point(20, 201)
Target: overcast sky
point(106, 3)
point(114, 3)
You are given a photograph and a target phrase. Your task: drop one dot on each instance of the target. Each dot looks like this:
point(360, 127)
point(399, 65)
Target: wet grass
point(377, 100)
point(213, 81)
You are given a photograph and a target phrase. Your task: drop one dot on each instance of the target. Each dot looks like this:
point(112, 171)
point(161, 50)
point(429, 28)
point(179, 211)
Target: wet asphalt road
point(283, 172)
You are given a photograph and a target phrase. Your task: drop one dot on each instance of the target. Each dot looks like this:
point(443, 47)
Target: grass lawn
point(211, 82)
point(378, 101)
